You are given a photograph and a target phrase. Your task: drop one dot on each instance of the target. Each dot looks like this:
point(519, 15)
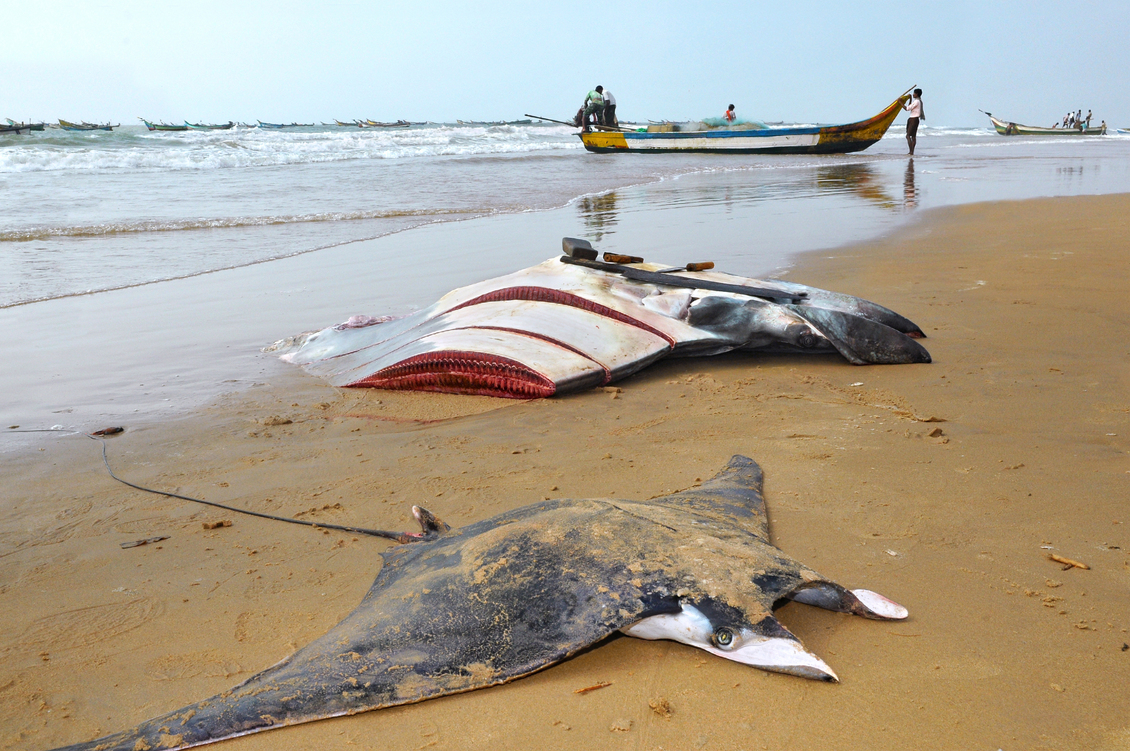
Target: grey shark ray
point(559, 327)
point(463, 609)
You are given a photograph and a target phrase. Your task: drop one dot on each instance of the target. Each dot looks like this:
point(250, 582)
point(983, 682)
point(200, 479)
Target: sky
point(285, 61)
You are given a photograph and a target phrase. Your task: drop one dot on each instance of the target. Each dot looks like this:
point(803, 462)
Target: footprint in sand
point(86, 626)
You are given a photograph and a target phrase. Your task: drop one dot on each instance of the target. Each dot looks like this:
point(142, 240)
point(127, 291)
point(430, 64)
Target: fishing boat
point(752, 138)
point(162, 126)
point(86, 126)
point(25, 126)
point(397, 124)
point(492, 123)
point(206, 126)
point(284, 125)
point(1006, 128)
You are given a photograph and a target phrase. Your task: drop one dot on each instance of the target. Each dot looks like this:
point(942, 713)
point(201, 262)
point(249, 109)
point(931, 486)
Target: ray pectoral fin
point(736, 492)
point(863, 341)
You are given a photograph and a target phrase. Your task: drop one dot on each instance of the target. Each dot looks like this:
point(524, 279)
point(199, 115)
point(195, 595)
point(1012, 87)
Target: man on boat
point(594, 105)
point(608, 116)
point(914, 107)
point(730, 115)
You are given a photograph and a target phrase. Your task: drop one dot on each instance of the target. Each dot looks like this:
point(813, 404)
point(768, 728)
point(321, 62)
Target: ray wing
point(478, 607)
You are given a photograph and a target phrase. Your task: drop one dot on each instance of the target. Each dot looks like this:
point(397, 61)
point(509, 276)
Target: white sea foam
point(137, 150)
point(25, 234)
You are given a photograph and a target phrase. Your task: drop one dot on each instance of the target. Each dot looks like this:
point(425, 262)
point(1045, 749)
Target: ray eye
point(723, 638)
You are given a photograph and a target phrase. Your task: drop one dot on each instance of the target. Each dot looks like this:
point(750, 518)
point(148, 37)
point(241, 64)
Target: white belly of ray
point(570, 333)
point(690, 626)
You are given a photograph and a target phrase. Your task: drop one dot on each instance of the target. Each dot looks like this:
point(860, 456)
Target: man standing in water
point(914, 107)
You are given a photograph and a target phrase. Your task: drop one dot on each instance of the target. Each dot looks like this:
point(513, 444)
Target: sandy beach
point(944, 486)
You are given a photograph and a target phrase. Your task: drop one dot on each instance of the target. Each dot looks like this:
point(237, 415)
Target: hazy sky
point(437, 60)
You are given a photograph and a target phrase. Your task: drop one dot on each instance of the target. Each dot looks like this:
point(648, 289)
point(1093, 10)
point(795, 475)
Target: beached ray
point(568, 324)
point(463, 609)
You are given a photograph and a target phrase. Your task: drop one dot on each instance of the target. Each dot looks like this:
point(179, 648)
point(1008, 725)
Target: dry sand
point(943, 486)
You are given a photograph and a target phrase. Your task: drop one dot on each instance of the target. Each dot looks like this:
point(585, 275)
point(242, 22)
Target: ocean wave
point(137, 150)
point(26, 234)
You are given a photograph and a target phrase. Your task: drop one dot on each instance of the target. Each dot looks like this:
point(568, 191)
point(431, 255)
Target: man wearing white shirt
point(609, 115)
point(914, 107)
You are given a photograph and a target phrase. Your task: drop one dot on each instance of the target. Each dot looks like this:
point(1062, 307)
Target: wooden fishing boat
point(397, 124)
point(1006, 128)
point(162, 126)
point(86, 126)
point(491, 123)
point(699, 137)
point(25, 126)
point(206, 126)
point(284, 125)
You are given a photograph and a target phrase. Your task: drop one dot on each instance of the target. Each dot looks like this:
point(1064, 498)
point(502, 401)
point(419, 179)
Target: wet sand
point(943, 486)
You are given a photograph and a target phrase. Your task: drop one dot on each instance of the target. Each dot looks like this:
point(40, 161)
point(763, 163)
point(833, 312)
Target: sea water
point(139, 270)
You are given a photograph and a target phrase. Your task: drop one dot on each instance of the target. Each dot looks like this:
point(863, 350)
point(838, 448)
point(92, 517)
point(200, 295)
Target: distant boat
point(1006, 128)
point(489, 123)
point(285, 125)
point(161, 126)
point(753, 139)
point(205, 126)
point(86, 126)
point(25, 126)
point(397, 124)
point(354, 124)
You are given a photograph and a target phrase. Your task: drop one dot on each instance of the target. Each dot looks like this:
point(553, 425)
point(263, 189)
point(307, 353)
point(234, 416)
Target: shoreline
point(943, 486)
point(166, 348)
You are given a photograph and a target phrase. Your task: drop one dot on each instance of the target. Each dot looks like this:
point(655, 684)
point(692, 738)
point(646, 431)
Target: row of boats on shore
point(276, 126)
point(655, 137)
point(14, 127)
point(339, 123)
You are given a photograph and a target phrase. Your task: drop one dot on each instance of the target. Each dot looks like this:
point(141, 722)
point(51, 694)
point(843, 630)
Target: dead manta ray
point(457, 610)
point(573, 323)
